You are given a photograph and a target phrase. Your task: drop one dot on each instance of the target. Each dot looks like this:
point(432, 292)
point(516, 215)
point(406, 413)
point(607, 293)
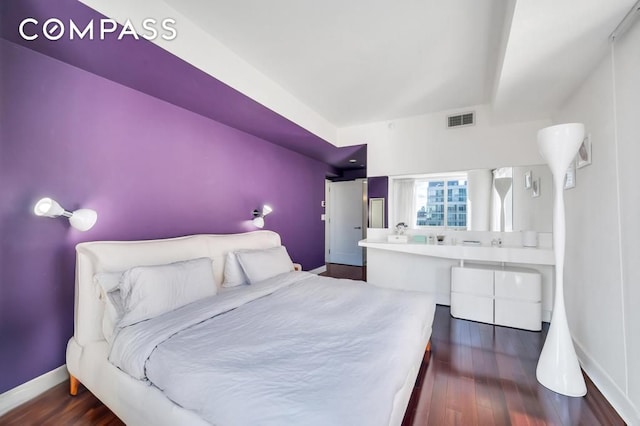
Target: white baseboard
point(319, 270)
point(609, 389)
point(27, 391)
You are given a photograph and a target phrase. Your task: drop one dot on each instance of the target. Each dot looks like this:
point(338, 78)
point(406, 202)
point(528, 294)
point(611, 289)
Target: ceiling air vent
point(466, 119)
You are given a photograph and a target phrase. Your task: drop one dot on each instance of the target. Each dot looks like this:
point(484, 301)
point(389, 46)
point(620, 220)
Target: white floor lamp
point(503, 185)
point(558, 368)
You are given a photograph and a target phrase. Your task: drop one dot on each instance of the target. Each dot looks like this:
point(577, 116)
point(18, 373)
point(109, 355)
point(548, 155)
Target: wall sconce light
point(82, 219)
point(258, 216)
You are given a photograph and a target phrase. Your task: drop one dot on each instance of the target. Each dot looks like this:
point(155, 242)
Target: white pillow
point(108, 290)
point(233, 273)
point(149, 291)
point(259, 265)
point(106, 282)
point(113, 311)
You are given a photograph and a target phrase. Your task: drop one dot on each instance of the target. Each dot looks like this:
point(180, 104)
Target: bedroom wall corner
point(29, 390)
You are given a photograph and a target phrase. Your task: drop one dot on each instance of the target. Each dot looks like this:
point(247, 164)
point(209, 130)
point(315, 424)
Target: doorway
point(346, 221)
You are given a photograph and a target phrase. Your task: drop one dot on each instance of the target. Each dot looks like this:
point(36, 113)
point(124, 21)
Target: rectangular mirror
point(496, 199)
point(376, 212)
point(378, 188)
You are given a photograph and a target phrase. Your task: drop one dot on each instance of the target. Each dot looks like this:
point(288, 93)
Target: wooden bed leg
point(428, 349)
point(73, 385)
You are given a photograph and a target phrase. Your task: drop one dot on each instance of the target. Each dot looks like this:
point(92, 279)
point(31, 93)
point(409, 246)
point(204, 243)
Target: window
point(441, 202)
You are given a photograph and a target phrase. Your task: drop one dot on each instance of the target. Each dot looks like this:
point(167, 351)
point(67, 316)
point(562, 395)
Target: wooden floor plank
point(438, 411)
point(485, 416)
point(337, 270)
point(426, 394)
point(468, 402)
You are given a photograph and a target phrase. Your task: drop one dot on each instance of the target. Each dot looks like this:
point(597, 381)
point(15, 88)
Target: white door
point(345, 226)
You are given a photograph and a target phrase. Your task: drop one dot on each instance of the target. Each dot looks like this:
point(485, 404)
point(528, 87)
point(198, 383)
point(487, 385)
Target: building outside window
point(441, 202)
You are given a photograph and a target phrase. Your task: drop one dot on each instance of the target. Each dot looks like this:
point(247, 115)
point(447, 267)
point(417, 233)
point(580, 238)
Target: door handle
point(357, 227)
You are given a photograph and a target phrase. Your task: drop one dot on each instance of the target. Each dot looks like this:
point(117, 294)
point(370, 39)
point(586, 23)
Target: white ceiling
point(334, 63)
point(359, 61)
point(551, 48)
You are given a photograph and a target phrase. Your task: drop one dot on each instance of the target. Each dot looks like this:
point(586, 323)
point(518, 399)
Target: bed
point(291, 348)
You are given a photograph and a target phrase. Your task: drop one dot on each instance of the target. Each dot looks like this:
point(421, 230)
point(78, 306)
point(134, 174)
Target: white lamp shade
point(258, 221)
point(48, 207)
point(559, 145)
point(503, 185)
point(83, 219)
point(266, 210)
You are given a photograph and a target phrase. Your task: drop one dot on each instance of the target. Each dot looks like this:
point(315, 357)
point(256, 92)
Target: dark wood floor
point(477, 374)
point(57, 408)
point(336, 270)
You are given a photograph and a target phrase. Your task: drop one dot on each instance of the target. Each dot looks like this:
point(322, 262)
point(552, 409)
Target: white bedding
point(295, 349)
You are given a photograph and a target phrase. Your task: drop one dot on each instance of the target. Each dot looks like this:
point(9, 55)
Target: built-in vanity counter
point(494, 223)
point(428, 267)
point(462, 252)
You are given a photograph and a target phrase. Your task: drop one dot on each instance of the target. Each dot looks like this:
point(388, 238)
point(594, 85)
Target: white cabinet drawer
point(513, 313)
point(502, 296)
point(518, 285)
point(472, 281)
point(475, 308)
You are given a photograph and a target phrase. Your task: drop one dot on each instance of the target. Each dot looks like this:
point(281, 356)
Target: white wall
point(603, 233)
point(627, 93)
point(533, 213)
point(423, 144)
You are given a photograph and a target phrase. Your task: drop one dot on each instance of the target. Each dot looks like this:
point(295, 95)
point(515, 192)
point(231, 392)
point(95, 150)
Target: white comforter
point(297, 349)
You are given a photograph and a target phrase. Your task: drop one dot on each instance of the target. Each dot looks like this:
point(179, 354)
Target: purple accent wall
point(143, 66)
point(378, 187)
point(151, 170)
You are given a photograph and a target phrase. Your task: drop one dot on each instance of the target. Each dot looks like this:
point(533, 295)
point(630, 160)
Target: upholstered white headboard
point(116, 256)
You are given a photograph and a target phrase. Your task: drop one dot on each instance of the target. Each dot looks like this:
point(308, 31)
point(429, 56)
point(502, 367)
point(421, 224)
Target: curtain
point(404, 209)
